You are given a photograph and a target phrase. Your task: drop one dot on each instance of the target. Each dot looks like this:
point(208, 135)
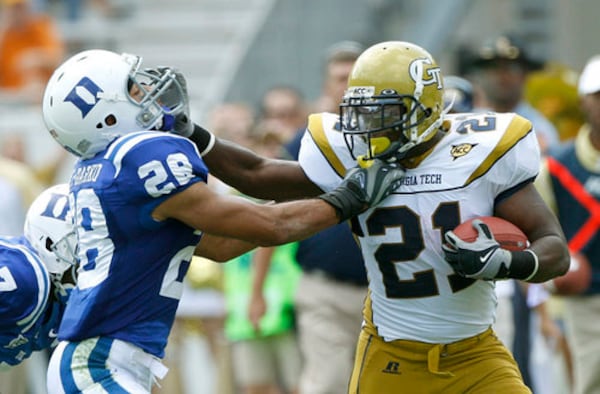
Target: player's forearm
point(553, 258)
point(289, 222)
point(221, 249)
point(254, 175)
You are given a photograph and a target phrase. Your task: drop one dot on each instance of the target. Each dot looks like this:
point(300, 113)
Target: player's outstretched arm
point(253, 175)
point(267, 225)
point(241, 168)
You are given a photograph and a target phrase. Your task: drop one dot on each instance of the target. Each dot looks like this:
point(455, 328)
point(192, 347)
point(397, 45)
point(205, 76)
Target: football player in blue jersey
point(36, 274)
point(142, 208)
point(431, 301)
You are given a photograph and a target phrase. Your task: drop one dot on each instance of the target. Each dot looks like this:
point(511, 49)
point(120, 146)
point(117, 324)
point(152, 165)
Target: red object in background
point(576, 280)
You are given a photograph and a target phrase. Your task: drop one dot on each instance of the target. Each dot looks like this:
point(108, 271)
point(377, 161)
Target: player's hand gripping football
point(363, 188)
point(480, 259)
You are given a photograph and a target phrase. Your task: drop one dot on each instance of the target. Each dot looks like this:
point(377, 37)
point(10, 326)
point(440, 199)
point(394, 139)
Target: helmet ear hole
point(49, 244)
point(110, 120)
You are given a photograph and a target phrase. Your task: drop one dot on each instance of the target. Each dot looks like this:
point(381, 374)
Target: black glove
point(363, 188)
point(485, 259)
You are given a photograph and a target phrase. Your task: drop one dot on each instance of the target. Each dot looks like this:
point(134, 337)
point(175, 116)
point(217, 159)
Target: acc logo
point(360, 91)
point(461, 150)
point(429, 76)
point(84, 95)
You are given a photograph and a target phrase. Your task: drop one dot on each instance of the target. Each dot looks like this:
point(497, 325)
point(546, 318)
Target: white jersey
point(413, 292)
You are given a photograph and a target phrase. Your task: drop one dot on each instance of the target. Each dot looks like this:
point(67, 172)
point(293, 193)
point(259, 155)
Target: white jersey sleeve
point(323, 153)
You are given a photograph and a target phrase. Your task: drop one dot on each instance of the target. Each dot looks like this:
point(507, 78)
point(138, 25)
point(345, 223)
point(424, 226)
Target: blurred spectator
point(499, 69)
point(233, 122)
point(458, 92)
point(333, 285)
point(553, 92)
point(339, 60)
point(260, 320)
point(283, 111)
point(13, 146)
point(570, 185)
point(30, 50)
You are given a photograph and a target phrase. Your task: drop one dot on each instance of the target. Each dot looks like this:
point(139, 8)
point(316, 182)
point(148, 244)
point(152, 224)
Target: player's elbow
point(557, 259)
point(562, 264)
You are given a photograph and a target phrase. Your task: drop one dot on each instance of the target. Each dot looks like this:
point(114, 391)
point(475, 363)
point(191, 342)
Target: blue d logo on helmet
point(84, 95)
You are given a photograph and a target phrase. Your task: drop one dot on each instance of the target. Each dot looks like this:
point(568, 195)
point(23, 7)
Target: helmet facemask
point(382, 126)
point(393, 104)
point(160, 95)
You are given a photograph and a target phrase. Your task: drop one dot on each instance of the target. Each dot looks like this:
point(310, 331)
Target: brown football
point(507, 234)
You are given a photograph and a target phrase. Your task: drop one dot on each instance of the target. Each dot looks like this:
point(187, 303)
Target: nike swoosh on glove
point(480, 259)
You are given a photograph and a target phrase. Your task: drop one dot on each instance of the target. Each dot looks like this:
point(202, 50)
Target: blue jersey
point(131, 266)
point(26, 319)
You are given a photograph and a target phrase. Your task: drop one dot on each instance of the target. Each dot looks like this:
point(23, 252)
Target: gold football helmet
point(393, 103)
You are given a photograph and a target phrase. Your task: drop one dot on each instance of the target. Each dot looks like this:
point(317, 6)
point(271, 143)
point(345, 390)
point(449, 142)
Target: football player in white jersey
point(142, 208)
point(36, 274)
point(429, 310)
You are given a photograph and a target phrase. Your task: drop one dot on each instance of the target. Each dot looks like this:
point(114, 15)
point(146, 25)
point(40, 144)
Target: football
point(508, 235)
point(576, 280)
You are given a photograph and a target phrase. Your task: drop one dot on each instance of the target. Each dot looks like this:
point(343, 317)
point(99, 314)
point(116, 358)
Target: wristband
point(204, 139)
point(524, 265)
point(346, 203)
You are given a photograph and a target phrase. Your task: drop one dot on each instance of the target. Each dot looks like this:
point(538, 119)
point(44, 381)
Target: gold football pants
point(480, 364)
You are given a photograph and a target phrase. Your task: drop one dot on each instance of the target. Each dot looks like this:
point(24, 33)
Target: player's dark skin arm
point(258, 176)
point(527, 210)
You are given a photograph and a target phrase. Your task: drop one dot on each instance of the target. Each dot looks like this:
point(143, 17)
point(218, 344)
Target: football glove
point(363, 188)
point(480, 259)
point(183, 123)
point(178, 122)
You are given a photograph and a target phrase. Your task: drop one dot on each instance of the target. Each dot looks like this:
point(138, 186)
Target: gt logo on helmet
point(417, 70)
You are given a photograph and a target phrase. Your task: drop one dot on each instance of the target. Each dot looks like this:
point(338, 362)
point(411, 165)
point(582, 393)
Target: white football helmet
point(98, 95)
point(49, 228)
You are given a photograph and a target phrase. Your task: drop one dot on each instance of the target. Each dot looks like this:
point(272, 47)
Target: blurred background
point(255, 68)
point(234, 50)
